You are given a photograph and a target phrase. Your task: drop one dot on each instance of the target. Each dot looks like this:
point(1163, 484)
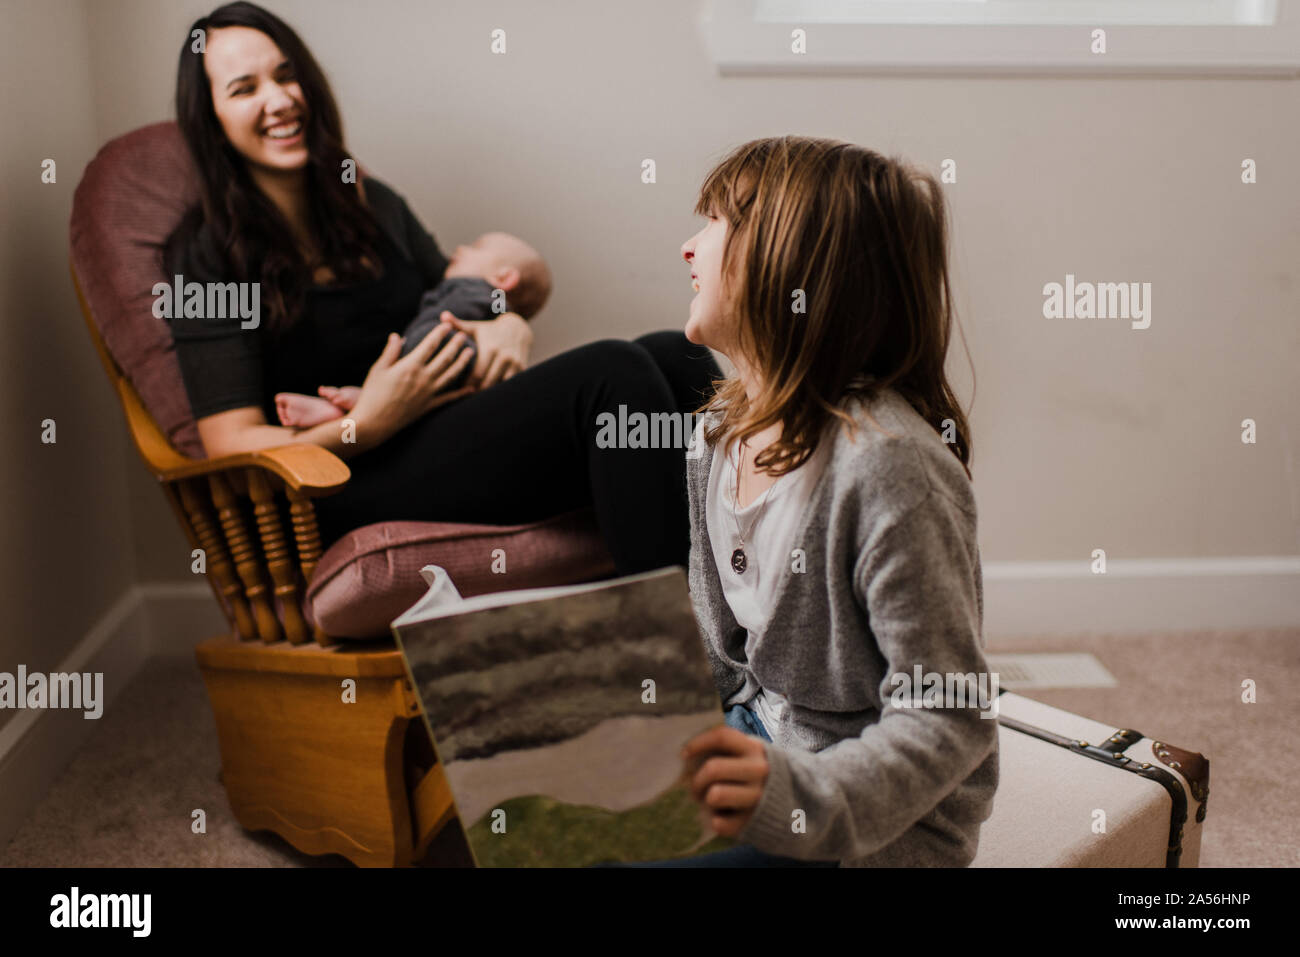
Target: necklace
point(738, 560)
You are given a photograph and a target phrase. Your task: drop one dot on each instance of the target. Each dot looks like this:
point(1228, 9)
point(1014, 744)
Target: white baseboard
point(36, 745)
point(1049, 599)
point(152, 619)
point(1021, 600)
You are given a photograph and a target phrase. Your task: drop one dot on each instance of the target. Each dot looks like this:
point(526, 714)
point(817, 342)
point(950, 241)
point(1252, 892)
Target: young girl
point(833, 530)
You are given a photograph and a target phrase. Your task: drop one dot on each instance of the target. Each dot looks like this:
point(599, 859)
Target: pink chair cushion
point(130, 198)
point(372, 574)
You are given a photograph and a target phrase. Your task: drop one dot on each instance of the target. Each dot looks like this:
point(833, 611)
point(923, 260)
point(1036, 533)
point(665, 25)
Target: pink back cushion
point(131, 197)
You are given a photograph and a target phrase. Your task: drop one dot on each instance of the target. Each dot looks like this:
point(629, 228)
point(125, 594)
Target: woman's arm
point(246, 430)
point(395, 393)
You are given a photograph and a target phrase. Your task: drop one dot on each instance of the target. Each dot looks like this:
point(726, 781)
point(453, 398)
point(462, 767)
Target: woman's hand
point(397, 391)
point(726, 770)
point(503, 345)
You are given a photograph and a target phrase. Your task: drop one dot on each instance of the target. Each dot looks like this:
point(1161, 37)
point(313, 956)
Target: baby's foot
point(343, 397)
point(303, 411)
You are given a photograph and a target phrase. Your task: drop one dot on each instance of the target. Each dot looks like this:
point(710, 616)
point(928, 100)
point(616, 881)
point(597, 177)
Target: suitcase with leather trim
point(1074, 792)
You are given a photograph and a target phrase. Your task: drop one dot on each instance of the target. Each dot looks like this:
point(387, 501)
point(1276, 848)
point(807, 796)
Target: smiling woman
point(255, 102)
point(341, 268)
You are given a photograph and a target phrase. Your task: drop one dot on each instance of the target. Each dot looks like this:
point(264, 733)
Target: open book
point(559, 715)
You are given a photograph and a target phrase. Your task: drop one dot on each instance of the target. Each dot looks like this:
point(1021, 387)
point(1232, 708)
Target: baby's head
point(509, 264)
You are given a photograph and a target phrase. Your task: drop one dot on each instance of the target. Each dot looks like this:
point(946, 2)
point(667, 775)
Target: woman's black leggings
point(526, 449)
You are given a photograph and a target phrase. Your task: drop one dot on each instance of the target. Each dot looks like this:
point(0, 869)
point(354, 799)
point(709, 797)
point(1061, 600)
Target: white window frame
point(741, 43)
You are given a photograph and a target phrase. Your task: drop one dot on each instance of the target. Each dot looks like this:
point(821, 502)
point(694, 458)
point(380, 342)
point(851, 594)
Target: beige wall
point(67, 551)
point(1087, 434)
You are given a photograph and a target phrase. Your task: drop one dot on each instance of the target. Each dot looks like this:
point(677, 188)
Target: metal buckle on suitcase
point(1059, 805)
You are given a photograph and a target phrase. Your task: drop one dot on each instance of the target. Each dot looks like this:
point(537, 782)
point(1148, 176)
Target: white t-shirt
point(769, 541)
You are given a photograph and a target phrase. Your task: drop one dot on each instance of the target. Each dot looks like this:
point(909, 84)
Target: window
point(1006, 36)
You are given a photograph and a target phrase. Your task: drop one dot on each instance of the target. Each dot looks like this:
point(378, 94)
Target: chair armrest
point(307, 468)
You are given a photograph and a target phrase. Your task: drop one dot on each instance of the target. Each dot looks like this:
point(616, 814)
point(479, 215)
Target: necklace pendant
point(738, 562)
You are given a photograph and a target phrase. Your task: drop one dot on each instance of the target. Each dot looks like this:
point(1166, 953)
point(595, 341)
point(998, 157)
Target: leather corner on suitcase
point(1192, 765)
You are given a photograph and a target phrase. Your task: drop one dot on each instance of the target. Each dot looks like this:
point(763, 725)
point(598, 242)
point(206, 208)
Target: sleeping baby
point(494, 261)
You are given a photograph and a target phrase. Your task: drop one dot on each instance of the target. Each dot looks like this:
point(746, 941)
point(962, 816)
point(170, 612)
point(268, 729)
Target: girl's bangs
point(728, 189)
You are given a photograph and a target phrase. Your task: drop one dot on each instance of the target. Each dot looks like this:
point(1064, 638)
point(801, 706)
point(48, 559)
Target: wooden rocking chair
point(358, 777)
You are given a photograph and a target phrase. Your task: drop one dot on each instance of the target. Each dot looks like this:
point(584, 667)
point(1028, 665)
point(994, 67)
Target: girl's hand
point(503, 345)
point(725, 771)
point(399, 391)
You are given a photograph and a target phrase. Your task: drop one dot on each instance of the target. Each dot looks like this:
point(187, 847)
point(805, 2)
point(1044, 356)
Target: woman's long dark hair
point(251, 233)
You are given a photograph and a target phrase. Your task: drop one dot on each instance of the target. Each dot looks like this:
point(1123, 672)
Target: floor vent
point(1016, 672)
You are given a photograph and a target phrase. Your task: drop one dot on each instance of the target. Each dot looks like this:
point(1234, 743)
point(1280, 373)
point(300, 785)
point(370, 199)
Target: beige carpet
point(127, 797)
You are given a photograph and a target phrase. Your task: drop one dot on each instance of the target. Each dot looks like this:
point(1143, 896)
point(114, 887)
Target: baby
point(493, 261)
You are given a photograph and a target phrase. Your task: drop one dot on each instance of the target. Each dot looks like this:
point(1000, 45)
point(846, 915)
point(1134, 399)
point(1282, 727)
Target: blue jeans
point(742, 719)
point(742, 855)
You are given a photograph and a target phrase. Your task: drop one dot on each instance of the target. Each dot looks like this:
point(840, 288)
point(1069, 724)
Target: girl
point(833, 529)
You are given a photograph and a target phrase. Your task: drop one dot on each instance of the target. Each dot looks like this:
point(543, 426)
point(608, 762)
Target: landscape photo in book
point(560, 721)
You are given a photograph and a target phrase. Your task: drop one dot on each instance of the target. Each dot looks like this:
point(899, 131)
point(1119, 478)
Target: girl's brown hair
point(863, 238)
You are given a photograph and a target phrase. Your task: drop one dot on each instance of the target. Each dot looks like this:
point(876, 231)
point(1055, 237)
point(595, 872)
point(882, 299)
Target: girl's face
point(254, 95)
point(710, 323)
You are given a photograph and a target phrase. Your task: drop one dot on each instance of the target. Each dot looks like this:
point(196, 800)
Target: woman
point(341, 265)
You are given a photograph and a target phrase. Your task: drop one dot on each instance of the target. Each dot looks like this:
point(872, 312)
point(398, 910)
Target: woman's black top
point(335, 341)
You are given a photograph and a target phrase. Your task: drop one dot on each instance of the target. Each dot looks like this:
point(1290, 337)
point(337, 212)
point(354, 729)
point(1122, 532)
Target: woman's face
point(709, 323)
point(255, 94)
